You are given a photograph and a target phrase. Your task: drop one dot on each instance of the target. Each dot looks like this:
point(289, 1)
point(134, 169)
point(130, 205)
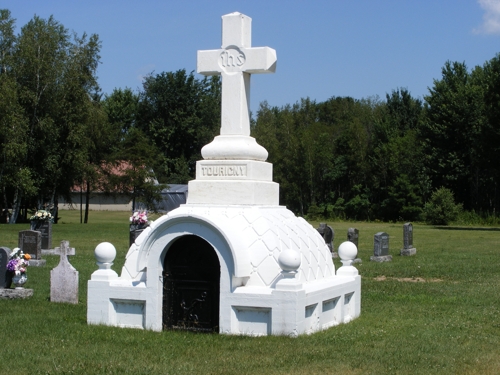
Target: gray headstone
point(64, 278)
point(408, 248)
point(328, 235)
point(407, 236)
point(30, 242)
point(381, 244)
point(45, 227)
point(4, 258)
point(135, 231)
point(353, 235)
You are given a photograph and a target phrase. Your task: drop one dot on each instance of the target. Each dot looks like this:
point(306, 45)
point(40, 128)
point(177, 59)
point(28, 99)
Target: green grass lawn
point(434, 313)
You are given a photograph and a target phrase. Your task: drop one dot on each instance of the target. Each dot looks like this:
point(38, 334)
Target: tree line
point(349, 158)
point(372, 159)
point(59, 133)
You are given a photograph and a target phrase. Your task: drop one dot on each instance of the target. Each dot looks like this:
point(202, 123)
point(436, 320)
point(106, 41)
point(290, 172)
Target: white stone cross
point(235, 61)
point(64, 251)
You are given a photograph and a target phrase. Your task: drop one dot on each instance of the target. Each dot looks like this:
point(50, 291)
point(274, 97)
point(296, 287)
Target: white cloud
point(491, 17)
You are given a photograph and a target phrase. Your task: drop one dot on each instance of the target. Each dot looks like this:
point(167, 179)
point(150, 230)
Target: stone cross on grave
point(64, 278)
point(64, 251)
point(235, 62)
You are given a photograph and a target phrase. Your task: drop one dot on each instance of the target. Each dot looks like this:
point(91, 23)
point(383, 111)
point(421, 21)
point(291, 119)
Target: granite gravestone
point(135, 231)
point(45, 227)
point(353, 235)
point(408, 248)
point(328, 235)
point(381, 248)
point(64, 278)
point(30, 242)
point(4, 275)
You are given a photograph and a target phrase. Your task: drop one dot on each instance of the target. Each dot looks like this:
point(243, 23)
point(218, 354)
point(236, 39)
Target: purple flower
point(12, 265)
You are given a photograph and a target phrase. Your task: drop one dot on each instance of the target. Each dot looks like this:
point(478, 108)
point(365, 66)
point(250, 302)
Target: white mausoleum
point(231, 260)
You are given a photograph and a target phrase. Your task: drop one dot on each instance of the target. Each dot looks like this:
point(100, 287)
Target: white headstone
point(64, 278)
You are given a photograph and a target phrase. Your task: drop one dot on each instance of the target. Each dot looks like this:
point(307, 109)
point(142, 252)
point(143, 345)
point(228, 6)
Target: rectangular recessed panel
point(255, 321)
point(348, 307)
point(129, 313)
point(311, 318)
point(330, 313)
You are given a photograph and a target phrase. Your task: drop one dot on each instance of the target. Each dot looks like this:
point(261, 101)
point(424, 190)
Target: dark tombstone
point(328, 235)
point(135, 231)
point(408, 248)
point(5, 276)
point(64, 278)
point(45, 227)
point(30, 242)
point(353, 235)
point(381, 248)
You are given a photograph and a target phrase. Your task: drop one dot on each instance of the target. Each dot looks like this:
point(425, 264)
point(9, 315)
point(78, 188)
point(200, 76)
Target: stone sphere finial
point(289, 260)
point(347, 251)
point(105, 252)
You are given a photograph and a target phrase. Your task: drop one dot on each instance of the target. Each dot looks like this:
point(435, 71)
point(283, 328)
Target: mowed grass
point(435, 313)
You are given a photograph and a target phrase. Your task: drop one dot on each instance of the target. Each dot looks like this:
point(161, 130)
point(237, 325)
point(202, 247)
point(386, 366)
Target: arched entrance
point(191, 285)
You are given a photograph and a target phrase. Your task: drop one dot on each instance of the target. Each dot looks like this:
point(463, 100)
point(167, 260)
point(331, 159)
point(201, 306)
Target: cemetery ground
point(437, 312)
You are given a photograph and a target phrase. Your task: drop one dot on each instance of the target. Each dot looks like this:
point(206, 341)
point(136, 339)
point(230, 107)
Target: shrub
point(314, 212)
point(442, 209)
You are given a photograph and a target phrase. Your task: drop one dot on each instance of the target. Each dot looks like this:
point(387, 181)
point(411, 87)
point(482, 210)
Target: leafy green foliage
point(179, 114)
point(441, 209)
point(48, 75)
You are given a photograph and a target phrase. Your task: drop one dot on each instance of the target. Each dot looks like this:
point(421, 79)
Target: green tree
point(398, 175)
point(451, 134)
point(489, 79)
point(179, 114)
point(441, 209)
point(54, 76)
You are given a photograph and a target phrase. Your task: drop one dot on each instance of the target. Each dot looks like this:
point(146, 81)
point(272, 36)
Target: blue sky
point(325, 48)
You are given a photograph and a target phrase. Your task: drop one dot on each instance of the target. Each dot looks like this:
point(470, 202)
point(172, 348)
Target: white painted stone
point(276, 272)
point(233, 192)
point(64, 277)
point(347, 253)
point(234, 170)
point(235, 61)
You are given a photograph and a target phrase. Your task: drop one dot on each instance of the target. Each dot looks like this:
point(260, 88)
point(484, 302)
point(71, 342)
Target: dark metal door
point(191, 286)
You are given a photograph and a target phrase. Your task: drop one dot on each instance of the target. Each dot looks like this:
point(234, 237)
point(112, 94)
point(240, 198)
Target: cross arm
point(260, 60)
point(207, 62)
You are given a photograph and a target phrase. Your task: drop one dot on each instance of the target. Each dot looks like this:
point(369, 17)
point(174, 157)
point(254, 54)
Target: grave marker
point(408, 248)
point(353, 235)
point(64, 278)
point(30, 242)
point(4, 275)
point(381, 248)
point(45, 227)
point(328, 235)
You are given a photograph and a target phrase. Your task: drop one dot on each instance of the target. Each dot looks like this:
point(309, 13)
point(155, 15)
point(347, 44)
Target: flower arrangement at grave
point(17, 267)
point(41, 215)
point(18, 261)
point(138, 220)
